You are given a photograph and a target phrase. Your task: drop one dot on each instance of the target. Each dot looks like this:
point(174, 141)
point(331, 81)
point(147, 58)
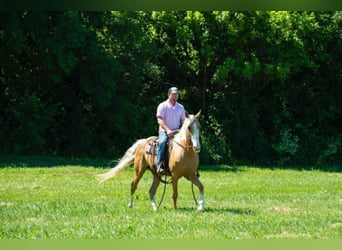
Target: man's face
point(173, 96)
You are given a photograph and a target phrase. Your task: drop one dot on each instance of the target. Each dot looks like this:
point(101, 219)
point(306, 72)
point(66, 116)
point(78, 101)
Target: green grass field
point(43, 200)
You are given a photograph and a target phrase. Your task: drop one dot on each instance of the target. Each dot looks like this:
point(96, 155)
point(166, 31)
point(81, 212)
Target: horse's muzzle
point(197, 149)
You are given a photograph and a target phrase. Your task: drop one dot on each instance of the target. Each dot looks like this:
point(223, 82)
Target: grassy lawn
point(43, 200)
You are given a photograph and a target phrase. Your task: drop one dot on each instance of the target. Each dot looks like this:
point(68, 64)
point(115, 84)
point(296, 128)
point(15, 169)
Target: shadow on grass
point(243, 168)
point(222, 168)
point(231, 210)
point(237, 211)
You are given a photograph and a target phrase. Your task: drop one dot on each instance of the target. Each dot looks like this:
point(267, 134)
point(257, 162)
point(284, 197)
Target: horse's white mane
point(182, 131)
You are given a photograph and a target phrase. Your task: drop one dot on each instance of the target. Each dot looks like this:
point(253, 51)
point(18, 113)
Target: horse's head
point(194, 127)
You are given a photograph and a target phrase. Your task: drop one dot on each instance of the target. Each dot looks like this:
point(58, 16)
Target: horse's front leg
point(201, 203)
point(153, 191)
point(194, 179)
point(175, 192)
point(130, 203)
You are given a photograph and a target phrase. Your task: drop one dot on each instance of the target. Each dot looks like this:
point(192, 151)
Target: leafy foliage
point(88, 83)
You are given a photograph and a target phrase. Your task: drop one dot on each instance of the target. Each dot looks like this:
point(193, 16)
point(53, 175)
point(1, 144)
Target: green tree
point(88, 83)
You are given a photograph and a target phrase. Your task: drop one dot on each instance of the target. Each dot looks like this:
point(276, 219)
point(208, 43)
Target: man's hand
point(170, 133)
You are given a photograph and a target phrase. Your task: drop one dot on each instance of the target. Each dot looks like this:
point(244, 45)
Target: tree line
point(87, 84)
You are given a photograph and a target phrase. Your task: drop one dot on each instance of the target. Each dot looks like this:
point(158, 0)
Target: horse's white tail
point(126, 160)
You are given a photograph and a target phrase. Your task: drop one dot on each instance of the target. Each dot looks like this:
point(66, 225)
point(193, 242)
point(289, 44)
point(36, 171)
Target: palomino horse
point(183, 162)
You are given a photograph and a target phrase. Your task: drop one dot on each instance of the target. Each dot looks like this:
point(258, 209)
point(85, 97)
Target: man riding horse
point(170, 116)
point(183, 158)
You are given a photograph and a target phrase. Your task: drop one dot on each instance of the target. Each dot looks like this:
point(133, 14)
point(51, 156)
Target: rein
point(184, 147)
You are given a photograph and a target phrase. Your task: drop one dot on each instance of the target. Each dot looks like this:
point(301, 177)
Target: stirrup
point(161, 170)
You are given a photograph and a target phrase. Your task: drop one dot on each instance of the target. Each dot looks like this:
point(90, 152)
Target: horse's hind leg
point(138, 173)
point(153, 191)
point(194, 179)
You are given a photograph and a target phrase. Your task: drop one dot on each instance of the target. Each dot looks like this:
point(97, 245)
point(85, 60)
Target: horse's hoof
point(200, 208)
point(154, 207)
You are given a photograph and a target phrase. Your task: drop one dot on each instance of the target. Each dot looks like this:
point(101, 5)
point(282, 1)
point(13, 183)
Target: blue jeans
point(163, 139)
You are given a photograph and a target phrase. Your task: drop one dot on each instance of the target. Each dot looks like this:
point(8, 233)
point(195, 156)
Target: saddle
point(151, 147)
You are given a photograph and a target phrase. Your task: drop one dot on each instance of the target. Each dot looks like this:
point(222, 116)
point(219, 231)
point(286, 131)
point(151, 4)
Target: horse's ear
point(186, 114)
point(198, 114)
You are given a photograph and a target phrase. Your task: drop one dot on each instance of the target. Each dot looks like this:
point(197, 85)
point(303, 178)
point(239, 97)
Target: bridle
point(186, 146)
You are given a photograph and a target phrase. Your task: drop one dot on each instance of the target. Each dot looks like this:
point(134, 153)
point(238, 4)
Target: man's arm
point(164, 126)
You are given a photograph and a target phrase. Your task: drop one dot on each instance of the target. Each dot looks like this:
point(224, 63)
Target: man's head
point(173, 94)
